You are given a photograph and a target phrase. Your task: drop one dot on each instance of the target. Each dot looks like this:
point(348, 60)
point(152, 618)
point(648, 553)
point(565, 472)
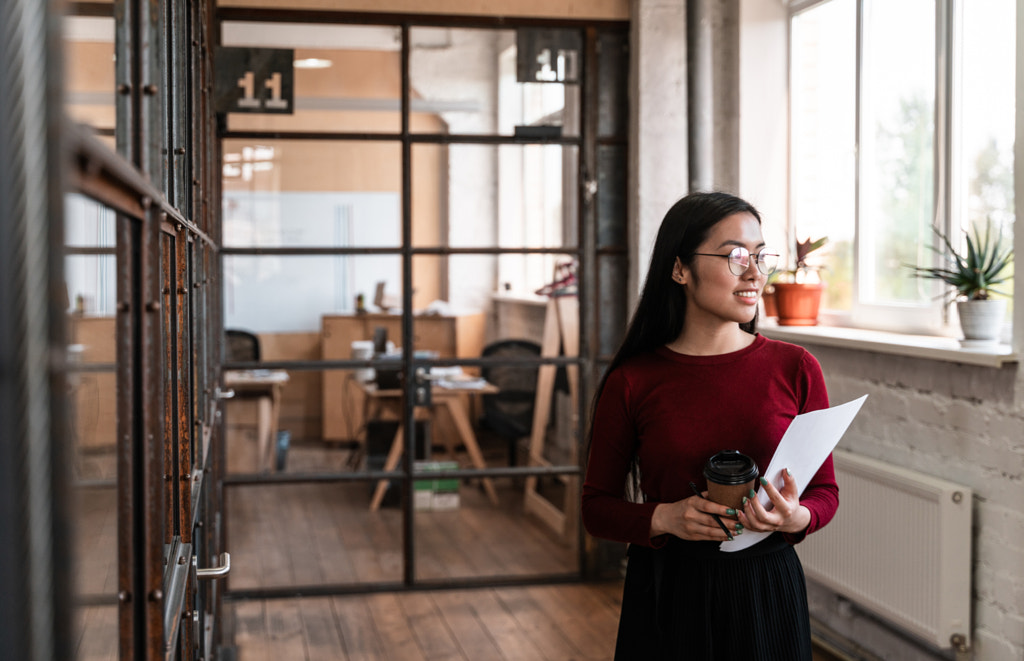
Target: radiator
point(900, 547)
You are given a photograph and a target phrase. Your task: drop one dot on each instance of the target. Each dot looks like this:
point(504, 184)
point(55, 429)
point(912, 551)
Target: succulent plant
point(973, 275)
point(800, 271)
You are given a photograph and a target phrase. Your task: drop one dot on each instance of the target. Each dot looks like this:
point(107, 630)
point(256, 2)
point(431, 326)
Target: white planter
point(981, 321)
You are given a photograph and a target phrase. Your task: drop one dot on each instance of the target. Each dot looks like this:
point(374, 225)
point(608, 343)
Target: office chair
point(509, 413)
point(242, 346)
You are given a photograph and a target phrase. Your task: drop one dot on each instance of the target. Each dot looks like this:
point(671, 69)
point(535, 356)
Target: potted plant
point(797, 291)
point(972, 277)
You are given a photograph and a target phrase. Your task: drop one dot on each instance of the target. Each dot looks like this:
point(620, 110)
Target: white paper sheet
point(804, 447)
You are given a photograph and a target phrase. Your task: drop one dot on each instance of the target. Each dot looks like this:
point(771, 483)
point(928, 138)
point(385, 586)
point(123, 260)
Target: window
point(901, 126)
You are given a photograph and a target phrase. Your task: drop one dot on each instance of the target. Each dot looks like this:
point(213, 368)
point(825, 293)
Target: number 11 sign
point(251, 80)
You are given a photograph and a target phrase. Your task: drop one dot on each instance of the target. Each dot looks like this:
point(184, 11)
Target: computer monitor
point(380, 340)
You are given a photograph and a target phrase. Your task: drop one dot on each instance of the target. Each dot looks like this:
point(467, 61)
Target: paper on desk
point(804, 447)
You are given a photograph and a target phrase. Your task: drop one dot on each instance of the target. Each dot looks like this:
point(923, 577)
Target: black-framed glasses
point(739, 260)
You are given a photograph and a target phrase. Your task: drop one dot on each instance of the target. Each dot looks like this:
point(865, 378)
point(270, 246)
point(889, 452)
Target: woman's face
point(714, 295)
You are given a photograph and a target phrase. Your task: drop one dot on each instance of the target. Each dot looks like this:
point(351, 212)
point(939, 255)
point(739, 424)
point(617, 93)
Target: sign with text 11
point(260, 80)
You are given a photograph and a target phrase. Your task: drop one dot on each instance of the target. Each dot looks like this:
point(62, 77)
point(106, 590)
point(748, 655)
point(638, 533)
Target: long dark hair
point(661, 311)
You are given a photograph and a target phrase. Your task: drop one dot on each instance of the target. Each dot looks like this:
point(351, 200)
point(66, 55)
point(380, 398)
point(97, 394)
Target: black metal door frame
point(589, 251)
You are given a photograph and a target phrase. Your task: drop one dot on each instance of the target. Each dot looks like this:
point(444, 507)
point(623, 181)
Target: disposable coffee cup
point(730, 475)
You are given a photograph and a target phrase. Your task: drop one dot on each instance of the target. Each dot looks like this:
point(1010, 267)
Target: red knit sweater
point(678, 410)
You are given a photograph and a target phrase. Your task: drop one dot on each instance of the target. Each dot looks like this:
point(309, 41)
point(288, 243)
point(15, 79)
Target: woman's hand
point(691, 519)
point(786, 513)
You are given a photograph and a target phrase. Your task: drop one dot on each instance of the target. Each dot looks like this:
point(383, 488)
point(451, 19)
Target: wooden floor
point(316, 534)
point(557, 622)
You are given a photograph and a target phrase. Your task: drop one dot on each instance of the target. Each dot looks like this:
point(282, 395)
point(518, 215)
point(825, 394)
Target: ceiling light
point(312, 63)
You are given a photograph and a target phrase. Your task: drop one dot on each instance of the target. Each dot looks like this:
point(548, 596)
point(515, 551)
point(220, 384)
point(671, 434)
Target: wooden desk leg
point(394, 454)
point(275, 413)
point(461, 421)
point(265, 412)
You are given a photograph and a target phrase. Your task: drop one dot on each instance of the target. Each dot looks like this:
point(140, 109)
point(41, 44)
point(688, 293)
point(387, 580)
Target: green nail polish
point(739, 532)
point(730, 512)
point(752, 494)
point(764, 481)
point(788, 473)
point(744, 500)
point(739, 527)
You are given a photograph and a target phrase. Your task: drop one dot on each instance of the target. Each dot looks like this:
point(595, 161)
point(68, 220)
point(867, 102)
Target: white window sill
point(917, 346)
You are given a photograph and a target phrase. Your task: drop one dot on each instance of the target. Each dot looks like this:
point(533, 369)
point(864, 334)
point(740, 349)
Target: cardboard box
point(436, 494)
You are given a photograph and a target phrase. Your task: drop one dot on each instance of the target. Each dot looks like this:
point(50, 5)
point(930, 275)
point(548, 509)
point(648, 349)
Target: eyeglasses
point(739, 260)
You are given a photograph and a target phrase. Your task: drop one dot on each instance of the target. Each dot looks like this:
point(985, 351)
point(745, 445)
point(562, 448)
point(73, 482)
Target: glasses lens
point(767, 261)
point(739, 261)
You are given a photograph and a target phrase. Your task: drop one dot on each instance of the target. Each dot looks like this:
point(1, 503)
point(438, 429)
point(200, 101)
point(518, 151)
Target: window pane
point(504, 196)
point(293, 193)
point(824, 88)
point(897, 154)
point(89, 70)
point(347, 77)
point(467, 79)
point(275, 294)
point(983, 146)
point(90, 301)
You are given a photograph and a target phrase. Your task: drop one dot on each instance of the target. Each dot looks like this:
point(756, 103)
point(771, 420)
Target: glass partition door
point(422, 251)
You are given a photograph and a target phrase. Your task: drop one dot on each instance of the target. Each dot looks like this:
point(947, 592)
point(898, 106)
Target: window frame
point(936, 316)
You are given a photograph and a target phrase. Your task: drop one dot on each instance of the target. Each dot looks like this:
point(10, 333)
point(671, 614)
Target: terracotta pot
point(768, 297)
point(798, 303)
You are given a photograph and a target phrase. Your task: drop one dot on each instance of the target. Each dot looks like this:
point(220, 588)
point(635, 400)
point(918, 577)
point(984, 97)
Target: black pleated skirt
point(688, 600)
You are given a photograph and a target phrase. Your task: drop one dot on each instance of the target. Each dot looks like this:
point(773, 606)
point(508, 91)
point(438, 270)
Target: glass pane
point(613, 277)
point(455, 517)
point(897, 152)
point(89, 270)
point(90, 273)
point(823, 84)
point(487, 196)
point(304, 193)
point(465, 82)
point(983, 156)
point(311, 534)
point(93, 394)
point(611, 196)
point(275, 294)
point(612, 89)
point(347, 77)
point(484, 418)
point(455, 321)
point(89, 70)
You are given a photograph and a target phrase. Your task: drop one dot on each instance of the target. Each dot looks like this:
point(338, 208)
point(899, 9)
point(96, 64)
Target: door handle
point(224, 394)
point(214, 572)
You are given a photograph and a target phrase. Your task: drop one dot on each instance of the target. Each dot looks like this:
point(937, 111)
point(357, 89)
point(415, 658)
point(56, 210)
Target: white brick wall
point(961, 423)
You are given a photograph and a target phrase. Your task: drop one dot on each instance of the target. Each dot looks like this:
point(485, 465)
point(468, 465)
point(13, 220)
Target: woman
point(692, 378)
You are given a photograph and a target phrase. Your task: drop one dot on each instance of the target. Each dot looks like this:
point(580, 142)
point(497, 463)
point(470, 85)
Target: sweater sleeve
point(606, 512)
point(821, 497)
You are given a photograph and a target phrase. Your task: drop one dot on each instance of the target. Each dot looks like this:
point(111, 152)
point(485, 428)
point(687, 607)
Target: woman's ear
point(679, 272)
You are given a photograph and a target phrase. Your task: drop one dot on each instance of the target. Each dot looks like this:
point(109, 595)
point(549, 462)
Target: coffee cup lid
point(730, 467)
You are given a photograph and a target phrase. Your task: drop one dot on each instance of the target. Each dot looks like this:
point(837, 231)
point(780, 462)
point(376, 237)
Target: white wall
point(961, 423)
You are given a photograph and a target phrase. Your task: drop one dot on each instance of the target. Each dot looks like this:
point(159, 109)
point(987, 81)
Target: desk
point(266, 386)
point(450, 398)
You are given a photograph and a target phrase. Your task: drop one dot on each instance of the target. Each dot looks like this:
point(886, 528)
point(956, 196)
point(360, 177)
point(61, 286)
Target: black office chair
point(509, 413)
point(242, 346)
